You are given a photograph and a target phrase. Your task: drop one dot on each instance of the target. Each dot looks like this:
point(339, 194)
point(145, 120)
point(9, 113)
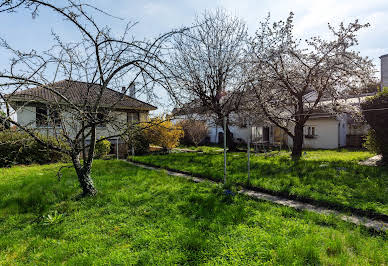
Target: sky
point(154, 17)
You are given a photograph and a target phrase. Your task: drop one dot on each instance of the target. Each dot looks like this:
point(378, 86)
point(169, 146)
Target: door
point(265, 134)
point(220, 137)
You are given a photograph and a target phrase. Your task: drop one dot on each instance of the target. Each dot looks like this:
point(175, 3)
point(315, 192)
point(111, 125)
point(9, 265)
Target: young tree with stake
point(207, 67)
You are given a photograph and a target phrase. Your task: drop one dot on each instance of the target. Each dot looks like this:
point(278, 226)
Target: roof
point(194, 107)
point(77, 92)
point(311, 97)
point(385, 55)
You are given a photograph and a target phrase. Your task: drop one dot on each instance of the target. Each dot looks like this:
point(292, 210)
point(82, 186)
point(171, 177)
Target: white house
point(322, 131)
point(33, 110)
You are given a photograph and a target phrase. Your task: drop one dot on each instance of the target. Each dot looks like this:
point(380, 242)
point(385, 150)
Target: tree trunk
point(87, 185)
point(230, 143)
point(84, 179)
point(297, 142)
point(232, 146)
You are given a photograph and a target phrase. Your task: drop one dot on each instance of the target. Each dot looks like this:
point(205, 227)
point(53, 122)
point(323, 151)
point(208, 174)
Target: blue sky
point(157, 16)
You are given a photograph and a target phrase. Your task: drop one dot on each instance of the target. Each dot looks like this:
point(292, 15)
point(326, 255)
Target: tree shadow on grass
point(36, 193)
point(207, 216)
point(341, 184)
point(152, 215)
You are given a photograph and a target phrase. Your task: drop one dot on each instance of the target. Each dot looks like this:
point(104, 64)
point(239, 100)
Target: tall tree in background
point(207, 67)
point(291, 77)
point(195, 131)
point(97, 57)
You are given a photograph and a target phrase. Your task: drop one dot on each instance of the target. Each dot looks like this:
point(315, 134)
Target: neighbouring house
point(239, 130)
point(32, 107)
point(324, 130)
point(384, 70)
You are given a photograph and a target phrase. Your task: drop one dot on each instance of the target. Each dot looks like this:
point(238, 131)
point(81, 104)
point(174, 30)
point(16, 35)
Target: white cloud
point(312, 16)
point(155, 9)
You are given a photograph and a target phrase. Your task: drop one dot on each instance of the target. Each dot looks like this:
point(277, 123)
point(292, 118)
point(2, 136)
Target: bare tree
point(207, 67)
point(195, 130)
point(97, 58)
point(291, 77)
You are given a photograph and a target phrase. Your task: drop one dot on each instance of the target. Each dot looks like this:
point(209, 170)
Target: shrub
point(370, 142)
point(4, 124)
point(375, 111)
point(195, 131)
point(102, 148)
point(163, 132)
point(138, 139)
point(20, 148)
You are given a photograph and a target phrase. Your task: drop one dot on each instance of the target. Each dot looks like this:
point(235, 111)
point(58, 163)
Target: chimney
point(132, 92)
point(384, 71)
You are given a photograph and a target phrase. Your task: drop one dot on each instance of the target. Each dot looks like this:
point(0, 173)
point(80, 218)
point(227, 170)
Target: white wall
point(238, 132)
point(109, 130)
point(326, 130)
point(343, 130)
point(26, 116)
point(384, 70)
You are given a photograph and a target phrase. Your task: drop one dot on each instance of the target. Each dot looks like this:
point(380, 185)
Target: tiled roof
point(77, 92)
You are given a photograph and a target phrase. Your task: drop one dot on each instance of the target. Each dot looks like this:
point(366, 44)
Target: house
point(194, 111)
point(323, 130)
point(326, 130)
point(33, 108)
point(339, 130)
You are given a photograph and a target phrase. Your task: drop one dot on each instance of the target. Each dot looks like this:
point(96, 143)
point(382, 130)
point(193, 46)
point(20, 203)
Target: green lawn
point(326, 176)
point(206, 149)
point(146, 217)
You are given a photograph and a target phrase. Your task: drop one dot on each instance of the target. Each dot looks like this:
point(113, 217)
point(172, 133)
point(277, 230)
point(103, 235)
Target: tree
point(99, 59)
point(163, 133)
point(195, 131)
point(207, 67)
point(137, 140)
point(291, 77)
point(375, 111)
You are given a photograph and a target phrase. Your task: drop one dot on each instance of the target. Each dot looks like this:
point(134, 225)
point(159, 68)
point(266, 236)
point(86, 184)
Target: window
point(46, 117)
point(310, 132)
point(101, 117)
point(54, 118)
point(41, 117)
point(133, 117)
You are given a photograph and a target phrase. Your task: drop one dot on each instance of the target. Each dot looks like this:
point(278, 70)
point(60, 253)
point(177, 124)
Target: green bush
point(375, 111)
point(138, 140)
point(4, 124)
point(102, 148)
point(370, 142)
point(20, 148)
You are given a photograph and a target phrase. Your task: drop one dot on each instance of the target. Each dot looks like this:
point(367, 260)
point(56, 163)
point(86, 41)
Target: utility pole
point(224, 149)
point(249, 152)
point(117, 148)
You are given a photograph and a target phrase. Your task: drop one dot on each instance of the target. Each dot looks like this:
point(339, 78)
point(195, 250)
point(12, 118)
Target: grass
point(205, 149)
point(146, 217)
point(325, 176)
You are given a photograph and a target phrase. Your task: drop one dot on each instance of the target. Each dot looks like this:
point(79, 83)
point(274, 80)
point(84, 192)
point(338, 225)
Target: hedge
point(375, 111)
point(20, 148)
